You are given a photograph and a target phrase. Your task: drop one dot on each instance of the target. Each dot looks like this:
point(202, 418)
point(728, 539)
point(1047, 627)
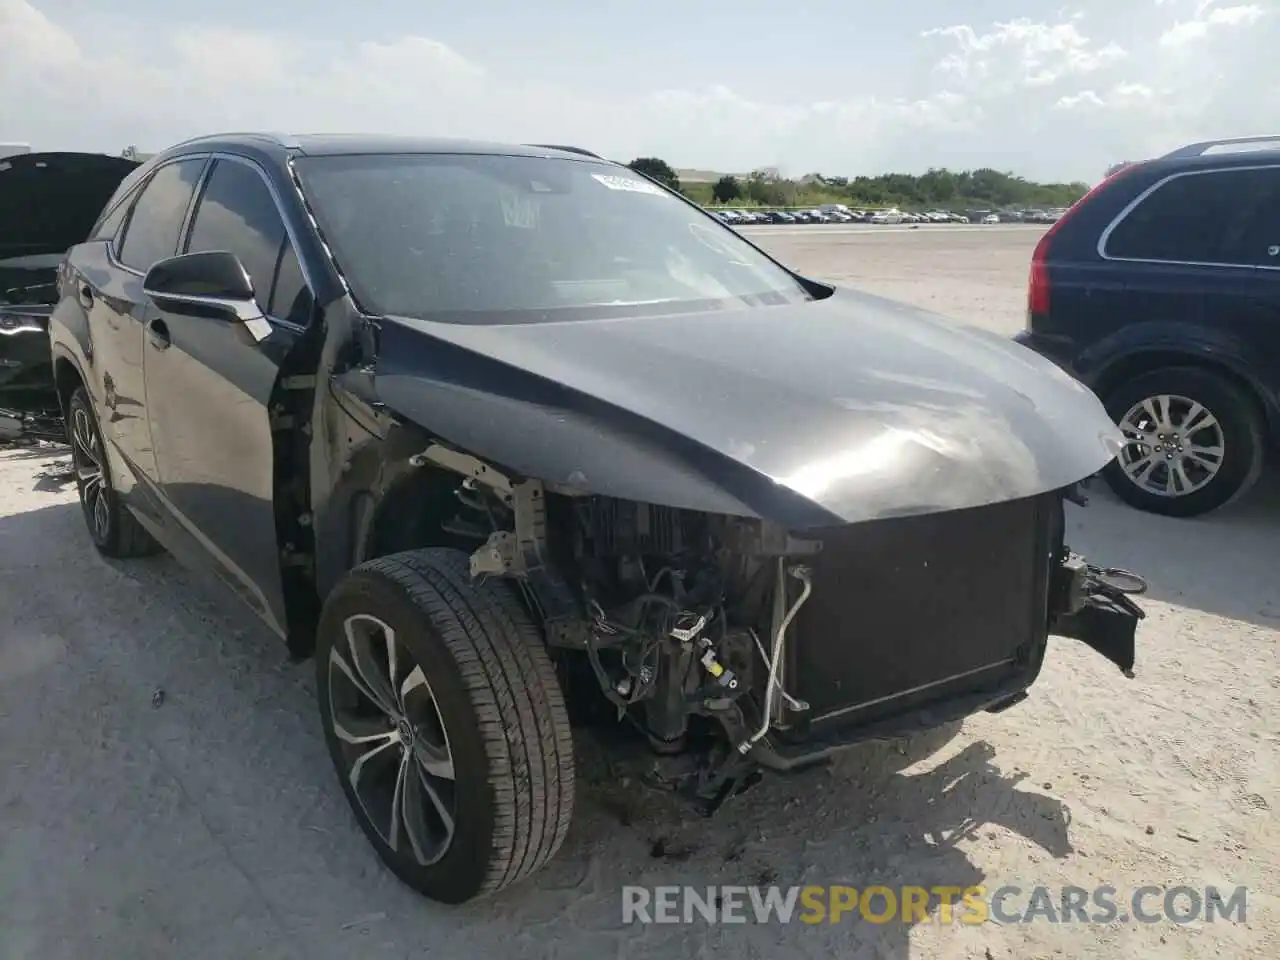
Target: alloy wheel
point(87, 458)
point(1174, 445)
point(394, 744)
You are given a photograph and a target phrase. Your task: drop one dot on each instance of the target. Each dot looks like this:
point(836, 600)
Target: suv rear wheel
point(115, 531)
point(445, 722)
point(1195, 441)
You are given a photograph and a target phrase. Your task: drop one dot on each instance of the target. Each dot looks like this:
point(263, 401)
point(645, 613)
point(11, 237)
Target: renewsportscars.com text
point(1008, 904)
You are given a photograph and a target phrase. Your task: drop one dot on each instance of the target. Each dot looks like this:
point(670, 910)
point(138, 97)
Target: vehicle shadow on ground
point(162, 694)
point(866, 820)
point(1225, 563)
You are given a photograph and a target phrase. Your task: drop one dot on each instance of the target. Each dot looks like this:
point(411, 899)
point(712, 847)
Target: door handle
point(158, 334)
point(85, 296)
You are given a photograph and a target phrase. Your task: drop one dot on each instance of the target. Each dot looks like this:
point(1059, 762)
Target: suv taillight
point(1038, 283)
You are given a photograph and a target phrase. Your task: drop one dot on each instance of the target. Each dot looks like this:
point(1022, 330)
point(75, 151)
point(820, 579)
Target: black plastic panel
point(907, 611)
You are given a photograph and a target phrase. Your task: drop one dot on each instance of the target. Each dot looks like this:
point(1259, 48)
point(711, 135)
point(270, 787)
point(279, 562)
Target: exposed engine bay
point(710, 634)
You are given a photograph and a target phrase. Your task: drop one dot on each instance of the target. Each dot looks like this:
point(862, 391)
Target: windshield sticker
point(519, 210)
point(630, 184)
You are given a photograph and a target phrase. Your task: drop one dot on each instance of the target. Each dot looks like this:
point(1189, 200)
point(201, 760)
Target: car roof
point(1220, 154)
point(1216, 161)
point(351, 144)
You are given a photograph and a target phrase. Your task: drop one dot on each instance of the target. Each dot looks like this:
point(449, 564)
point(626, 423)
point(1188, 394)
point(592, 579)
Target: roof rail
point(1204, 146)
point(556, 146)
point(279, 139)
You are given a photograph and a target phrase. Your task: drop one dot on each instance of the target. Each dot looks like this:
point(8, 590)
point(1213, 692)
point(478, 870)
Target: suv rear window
point(1229, 217)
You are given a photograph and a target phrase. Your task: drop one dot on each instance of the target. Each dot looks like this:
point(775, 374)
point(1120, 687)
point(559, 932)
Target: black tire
point(1242, 435)
point(505, 728)
point(114, 530)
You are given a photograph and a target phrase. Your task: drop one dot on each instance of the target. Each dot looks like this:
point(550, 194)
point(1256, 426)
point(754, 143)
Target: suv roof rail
point(1204, 146)
point(279, 139)
point(557, 146)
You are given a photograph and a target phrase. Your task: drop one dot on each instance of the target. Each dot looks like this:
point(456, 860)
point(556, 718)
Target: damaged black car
point(48, 202)
point(498, 432)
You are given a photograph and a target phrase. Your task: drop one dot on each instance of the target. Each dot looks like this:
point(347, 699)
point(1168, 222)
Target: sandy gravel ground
point(165, 791)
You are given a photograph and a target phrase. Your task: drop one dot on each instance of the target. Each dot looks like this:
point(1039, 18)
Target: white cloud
point(1023, 51)
point(1208, 15)
point(1120, 96)
point(1061, 94)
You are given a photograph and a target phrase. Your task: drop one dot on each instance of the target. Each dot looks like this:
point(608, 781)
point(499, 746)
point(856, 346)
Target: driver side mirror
point(209, 281)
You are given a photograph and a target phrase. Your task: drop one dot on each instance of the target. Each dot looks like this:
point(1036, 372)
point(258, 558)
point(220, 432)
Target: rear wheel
point(445, 722)
point(115, 531)
point(1194, 442)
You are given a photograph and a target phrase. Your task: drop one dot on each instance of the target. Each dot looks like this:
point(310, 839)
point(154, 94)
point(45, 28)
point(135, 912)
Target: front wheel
point(1194, 442)
point(445, 722)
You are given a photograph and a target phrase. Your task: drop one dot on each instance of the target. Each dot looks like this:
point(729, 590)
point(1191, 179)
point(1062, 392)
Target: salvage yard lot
point(166, 793)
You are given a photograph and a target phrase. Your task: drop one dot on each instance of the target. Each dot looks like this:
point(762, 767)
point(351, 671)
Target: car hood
point(866, 407)
point(48, 204)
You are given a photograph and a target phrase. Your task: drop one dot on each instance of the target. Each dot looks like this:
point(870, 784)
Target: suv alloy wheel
point(1195, 442)
point(114, 530)
point(445, 723)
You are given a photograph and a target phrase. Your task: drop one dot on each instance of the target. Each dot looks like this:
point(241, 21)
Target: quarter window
point(153, 229)
point(109, 225)
point(236, 212)
point(1229, 217)
point(290, 297)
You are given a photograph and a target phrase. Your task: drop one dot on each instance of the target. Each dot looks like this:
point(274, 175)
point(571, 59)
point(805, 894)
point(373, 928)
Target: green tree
point(726, 188)
point(983, 189)
point(656, 169)
point(766, 191)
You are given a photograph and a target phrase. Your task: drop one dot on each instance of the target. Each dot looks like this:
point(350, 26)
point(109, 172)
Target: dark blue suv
point(1160, 290)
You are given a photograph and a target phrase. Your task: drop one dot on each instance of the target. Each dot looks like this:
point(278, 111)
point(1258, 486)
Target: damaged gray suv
point(496, 433)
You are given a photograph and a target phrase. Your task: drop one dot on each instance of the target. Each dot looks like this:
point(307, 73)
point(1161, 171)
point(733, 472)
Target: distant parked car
point(991, 218)
point(1161, 291)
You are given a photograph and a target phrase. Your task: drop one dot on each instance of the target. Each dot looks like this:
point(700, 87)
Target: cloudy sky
point(836, 86)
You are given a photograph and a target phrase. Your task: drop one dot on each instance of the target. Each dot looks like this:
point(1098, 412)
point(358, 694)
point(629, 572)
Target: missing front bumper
point(917, 622)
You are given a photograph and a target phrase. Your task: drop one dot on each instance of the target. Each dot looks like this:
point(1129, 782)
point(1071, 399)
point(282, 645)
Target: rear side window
point(154, 227)
point(237, 213)
point(1229, 217)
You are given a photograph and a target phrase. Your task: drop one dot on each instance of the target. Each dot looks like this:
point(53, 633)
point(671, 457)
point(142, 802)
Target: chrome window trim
point(364, 315)
point(1136, 201)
